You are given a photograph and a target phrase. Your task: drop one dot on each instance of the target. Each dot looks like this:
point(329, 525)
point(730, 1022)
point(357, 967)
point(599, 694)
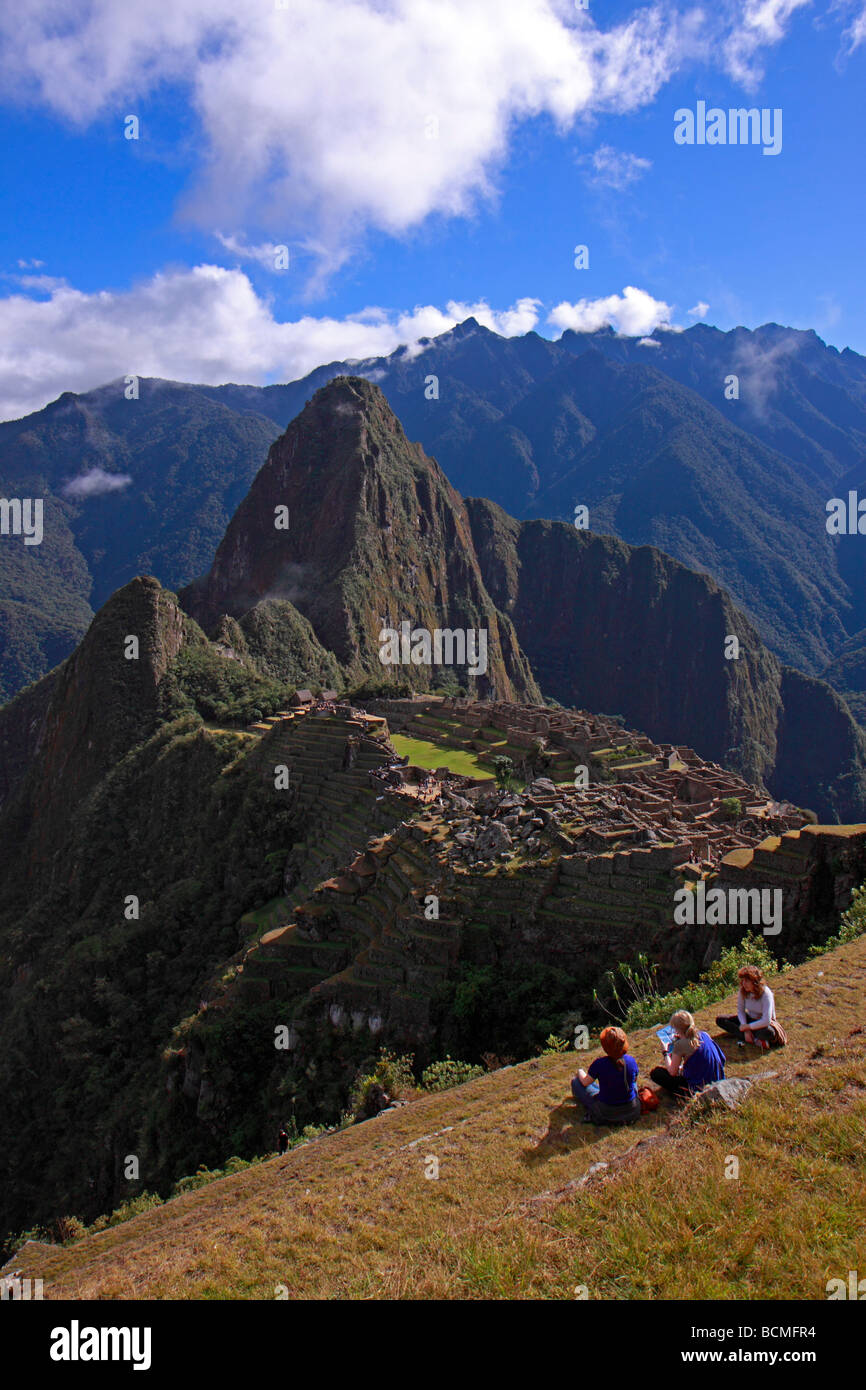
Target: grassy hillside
point(518, 1210)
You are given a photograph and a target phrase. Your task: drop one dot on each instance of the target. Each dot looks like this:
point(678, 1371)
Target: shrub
point(646, 1006)
point(145, 1202)
point(67, 1229)
point(503, 768)
point(851, 925)
point(554, 1044)
point(390, 1077)
point(732, 807)
point(441, 1076)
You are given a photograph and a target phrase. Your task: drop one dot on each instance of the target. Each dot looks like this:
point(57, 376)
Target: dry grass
point(352, 1215)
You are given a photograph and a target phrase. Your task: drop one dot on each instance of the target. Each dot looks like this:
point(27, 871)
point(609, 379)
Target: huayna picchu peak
point(355, 528)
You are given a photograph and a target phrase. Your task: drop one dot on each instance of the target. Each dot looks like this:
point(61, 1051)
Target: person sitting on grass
point(691, 1062)
point(608, 1091)
point(755, 1020)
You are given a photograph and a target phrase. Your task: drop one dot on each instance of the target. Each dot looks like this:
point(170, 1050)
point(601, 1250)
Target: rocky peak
point(359, 530)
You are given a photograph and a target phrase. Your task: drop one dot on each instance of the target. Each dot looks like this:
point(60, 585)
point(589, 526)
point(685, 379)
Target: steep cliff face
point(83, 718)
point(821, 750)
point(630, 631)
point(372, 535)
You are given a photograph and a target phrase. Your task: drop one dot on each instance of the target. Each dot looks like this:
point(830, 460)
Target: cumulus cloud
point(94, 483)
point(634, 313)
point(610, 168)
point(321, 120)
point(206, 324)
point(699, 310)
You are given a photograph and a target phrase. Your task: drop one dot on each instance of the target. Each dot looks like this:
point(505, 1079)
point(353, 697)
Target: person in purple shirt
point(608, 1090)
point(691, 1062)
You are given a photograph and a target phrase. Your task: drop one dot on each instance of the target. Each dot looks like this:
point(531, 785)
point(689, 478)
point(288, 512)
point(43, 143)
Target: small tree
point(504, 769)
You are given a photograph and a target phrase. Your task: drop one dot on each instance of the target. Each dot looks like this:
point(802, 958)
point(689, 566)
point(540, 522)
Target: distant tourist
point(608, 1091)
point(755, 1020)
point(283, 1139)
point(692, 1060)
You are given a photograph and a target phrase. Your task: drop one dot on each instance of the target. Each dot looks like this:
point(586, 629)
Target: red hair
point(615, 1044)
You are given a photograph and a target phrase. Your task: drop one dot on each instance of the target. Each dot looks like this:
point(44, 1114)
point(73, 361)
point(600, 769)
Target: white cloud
point(265, 255)
point(634, 313)
point(648, 342)
point(94, 483)
point(855, 34)
point(756, 24)
point(206, 324)
point(610, 168)
point(321, 120)
point(699, 310)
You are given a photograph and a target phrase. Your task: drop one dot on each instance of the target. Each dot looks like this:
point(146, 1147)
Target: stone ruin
point(576, 877)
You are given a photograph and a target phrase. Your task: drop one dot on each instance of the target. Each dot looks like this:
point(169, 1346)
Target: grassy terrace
point(422, 753)
point(351, 1214)
point(426, 751)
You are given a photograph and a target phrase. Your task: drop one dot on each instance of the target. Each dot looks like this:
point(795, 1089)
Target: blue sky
point(419, 160)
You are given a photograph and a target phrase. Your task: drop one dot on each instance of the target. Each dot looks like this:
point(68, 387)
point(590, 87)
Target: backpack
point(648, 1099)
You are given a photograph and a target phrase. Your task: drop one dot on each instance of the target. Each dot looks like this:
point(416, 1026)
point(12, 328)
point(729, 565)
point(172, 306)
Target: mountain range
point(644, 433)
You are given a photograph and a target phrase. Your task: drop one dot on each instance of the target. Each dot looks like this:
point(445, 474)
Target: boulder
point(493, 839)
point(543, 786)
point(730, 1093)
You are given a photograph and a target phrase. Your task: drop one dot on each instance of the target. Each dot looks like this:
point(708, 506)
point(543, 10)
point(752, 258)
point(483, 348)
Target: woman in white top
point(755, 1020)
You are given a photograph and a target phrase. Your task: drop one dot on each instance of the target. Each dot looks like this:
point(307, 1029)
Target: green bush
point(390, 1076)
point(441, 1076)
point(637, 1003)
point(732, 807)
point(852, 924)
point(146, 1201)
point(503, 768)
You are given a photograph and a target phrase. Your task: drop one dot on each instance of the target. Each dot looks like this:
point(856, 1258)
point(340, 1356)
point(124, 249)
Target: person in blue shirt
point(691, 1062)
point(608, 1091)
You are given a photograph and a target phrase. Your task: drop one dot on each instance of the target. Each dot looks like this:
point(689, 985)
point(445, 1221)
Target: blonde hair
point(683, 1023)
